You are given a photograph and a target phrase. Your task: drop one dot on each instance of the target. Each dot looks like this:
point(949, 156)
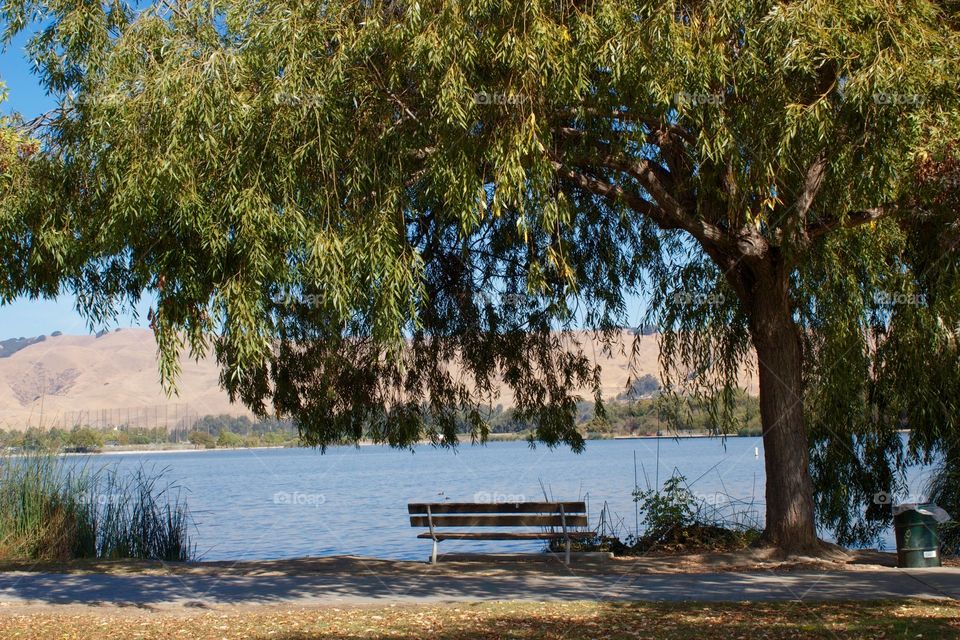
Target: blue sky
point(26, 317)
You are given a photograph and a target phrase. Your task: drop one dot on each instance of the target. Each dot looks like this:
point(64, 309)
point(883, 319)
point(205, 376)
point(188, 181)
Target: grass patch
point(570, 621)
point(53, 510)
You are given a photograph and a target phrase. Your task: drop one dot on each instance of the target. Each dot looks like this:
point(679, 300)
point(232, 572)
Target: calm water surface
point(284, 503)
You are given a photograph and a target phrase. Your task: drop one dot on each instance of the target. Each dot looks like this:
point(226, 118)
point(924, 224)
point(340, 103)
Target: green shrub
point(229, 439)
point(667, 511)
point(202, 439)
point(275, 439)
point(85, 438)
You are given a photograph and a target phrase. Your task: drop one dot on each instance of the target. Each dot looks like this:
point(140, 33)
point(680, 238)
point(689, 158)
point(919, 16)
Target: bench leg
point(433, 556)
point(568, 553)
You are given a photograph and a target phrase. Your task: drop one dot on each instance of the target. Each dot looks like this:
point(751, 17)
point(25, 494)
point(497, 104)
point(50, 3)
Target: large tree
point(383, 209)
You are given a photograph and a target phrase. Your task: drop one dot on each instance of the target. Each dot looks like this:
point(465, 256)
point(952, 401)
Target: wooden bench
point(543, 521)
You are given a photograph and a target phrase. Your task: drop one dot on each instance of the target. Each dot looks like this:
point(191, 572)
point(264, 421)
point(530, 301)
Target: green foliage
point(681, 415)
point(42, 514)
point(229, 439)
point(34, 439)
point(17, 151)
point(270, 432)
point(50, 510)
point(275, 439)
point(944, 491)
point(202, 439)
point(901, 371)
point(668, 510)
point(382, 210)
point(85, 438)
point(140, 517)
point(223, 422)
point(136, 436)
point(646, 416)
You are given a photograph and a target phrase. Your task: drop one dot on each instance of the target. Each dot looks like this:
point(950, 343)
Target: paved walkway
point(32, 589)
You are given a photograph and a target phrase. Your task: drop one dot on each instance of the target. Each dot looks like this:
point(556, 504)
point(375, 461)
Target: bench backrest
point(514, 514)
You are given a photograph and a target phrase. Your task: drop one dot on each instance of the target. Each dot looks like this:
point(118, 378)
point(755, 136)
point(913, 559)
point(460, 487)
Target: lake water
point(285, 503)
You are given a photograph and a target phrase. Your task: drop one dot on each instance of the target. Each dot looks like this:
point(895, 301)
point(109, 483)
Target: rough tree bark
point(790, 523)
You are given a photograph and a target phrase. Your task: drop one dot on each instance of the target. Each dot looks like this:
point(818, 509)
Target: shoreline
point(171, 448)
point(679, 436)
point(126, 452)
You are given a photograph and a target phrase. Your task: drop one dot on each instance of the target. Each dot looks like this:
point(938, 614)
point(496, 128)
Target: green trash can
point(918, 542)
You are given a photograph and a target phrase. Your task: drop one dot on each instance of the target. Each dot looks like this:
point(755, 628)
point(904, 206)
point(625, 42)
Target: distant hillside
point(47, 381)
point(51, 380)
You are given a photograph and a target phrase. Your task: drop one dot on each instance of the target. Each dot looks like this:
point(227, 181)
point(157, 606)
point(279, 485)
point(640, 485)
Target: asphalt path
point(27, 589)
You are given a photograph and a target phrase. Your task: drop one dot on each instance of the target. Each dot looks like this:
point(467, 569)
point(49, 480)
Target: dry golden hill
point(68, 379)
point(65, 380)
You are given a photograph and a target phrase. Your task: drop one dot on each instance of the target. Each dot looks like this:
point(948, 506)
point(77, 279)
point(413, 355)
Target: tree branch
point(661, 182)
point(796, 223)
point(40, 121)
point(664, 211)
point(851, 220)
point(615, 193)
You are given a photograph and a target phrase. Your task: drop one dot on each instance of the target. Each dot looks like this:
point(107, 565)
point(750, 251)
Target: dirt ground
point(502, 620)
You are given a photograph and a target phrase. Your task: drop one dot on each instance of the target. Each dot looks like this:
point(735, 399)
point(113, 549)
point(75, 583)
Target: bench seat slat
point(507, 535)
point(511, 507)
point(498, 521)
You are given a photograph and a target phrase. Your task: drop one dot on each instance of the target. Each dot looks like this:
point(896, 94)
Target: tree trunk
point(790, 516)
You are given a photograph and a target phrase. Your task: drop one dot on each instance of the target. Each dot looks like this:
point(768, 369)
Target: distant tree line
point(641, 410)
point(209, 432)
point(674, 415)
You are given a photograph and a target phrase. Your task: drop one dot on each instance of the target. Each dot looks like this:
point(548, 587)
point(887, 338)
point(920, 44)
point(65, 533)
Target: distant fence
point(176, 419)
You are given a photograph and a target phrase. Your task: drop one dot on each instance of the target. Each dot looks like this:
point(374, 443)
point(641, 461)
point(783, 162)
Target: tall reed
point(55, 509)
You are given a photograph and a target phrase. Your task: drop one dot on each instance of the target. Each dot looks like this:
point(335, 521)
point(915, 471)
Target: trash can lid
point(933, 510)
